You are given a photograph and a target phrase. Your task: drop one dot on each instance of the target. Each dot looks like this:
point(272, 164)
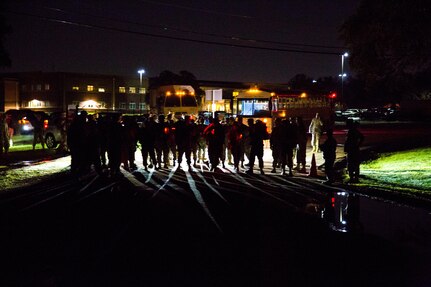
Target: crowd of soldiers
point(111, 141)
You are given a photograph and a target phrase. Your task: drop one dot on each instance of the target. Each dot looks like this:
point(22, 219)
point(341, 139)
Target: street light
point(343, 75)
point(140, 72)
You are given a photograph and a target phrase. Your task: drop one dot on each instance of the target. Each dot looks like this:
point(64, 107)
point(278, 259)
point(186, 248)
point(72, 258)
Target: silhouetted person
point(161, 142)
point(289, 142)
point(247, 140)
point(103, 124)
point(329, 148)
point(115, 145)
point(215, 135)
point(131, 139)
point(354, 140)
point(244, 131)
point(62, 126)
point(147, 138)
point(227, 153)
point(258, 134)
point(276, 144)
point(76, 142)
point(301, 148)
point(37, 124)
point(183, 138)
point(4, 135)
point(194, 141)
point(234, 144)
point(171, 138)
point(202, 141)
point(92, 145)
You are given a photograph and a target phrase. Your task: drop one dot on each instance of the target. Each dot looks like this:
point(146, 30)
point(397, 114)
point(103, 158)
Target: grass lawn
point(23, 147)
point(405, 171)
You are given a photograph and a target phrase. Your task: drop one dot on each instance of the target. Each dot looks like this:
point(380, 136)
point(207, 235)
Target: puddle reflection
point(341, 211)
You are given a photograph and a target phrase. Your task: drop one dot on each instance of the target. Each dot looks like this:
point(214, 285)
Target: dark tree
point(5, 29)
point(168, 78)
point(301, 82)
point(183, 78)
point(327, 84)
point(190, 79)
point(389, 43)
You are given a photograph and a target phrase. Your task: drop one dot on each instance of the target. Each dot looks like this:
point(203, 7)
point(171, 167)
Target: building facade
point(57, 91)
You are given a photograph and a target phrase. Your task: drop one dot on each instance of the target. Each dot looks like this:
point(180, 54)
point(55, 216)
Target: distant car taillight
point(45, 124)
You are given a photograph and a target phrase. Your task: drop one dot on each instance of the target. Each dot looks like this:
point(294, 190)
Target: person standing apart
point(315, 129)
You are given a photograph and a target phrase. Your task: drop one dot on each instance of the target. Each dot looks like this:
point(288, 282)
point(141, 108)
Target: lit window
point(35, 104)
point(142, 90)
point(132, 106)
point(90, 88)
point(121, 89)
point(38, 87)
point(142, 106)
point(101, 90)
point(75, 88)
point(122, 106)
point(253, 107)
point(46, 87)
point(132, 90)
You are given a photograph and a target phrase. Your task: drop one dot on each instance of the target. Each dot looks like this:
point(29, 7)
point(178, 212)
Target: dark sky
point(119, 37)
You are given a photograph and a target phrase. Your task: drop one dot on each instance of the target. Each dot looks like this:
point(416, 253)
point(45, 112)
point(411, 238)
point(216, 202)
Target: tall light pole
point(140, 72)
point(343, 75)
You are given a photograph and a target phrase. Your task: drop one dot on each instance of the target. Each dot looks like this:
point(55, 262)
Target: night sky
point(207, 38)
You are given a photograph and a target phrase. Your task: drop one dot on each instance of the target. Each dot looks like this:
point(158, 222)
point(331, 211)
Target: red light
point(333, 95)
point(45, 124)
point(333, 201)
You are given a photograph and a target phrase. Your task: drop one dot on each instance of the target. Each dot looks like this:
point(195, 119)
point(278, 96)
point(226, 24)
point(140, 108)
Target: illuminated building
point(58, 91)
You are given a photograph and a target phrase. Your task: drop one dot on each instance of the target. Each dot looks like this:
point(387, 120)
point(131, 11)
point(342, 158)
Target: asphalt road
point(189, 228)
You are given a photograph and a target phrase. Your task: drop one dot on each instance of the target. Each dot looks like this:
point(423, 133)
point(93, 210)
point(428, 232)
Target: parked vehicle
point(387, 114)
point(354, 114)
point(351, 113)
point(53, 129)
point(21, 120)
